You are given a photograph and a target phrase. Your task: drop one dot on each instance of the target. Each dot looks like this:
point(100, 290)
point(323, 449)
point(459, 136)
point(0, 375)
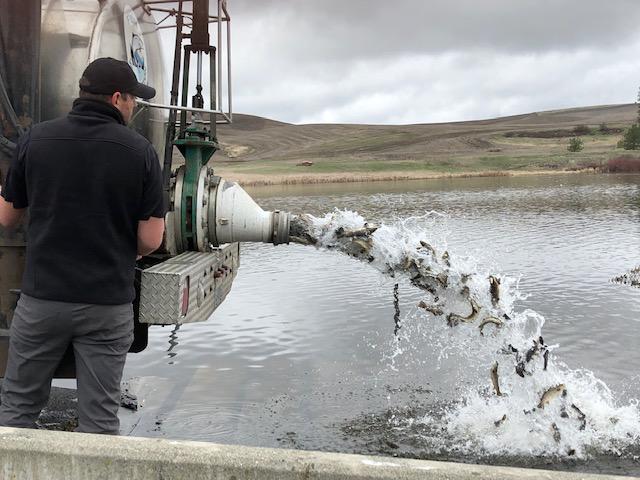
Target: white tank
point(76, 32)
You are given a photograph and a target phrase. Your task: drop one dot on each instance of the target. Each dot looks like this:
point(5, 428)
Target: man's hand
point(9, 216)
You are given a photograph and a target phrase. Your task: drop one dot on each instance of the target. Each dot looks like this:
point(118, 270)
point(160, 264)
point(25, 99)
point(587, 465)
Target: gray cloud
point(363, 28)
point(427, 61)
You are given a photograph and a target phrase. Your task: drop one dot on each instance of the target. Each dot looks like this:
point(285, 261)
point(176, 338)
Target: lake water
point(303, 354)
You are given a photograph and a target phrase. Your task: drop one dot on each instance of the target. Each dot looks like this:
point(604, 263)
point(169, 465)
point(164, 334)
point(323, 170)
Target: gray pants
point(41, 331)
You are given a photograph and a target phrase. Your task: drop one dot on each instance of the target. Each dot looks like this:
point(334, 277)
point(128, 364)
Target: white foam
point(527, 429)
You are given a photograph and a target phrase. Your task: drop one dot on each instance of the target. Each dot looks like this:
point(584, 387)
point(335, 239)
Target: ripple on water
point(308, 316)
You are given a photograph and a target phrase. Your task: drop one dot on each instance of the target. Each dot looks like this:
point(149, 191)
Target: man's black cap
point(107, 75)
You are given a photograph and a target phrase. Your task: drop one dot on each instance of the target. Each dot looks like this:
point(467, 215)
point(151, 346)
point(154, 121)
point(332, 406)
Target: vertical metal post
point(171, 125)
point(35, 78)
point(212, 91)
point(219, 44)
point(229, 67)
point(199, 68)
point(185, 88)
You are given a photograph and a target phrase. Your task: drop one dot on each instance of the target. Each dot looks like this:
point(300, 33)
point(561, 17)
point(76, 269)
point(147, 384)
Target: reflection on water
point(173, 342)
point(299, 350)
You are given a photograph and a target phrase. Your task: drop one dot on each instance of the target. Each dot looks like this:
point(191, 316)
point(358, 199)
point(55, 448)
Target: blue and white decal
point(134, 43)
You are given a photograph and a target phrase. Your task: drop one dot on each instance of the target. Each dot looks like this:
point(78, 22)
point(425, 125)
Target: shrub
point(590, 164)
point(623, 164)
point(575, 144)
point(581, 130)
point(631, 138)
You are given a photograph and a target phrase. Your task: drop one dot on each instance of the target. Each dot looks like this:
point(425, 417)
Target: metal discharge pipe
point(225, 213)
point(236, 217)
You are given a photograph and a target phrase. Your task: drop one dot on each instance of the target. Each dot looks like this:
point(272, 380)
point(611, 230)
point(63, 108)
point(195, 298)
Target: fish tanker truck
point(44, 47)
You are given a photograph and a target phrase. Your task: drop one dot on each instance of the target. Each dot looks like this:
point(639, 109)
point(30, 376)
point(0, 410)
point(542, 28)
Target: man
point(93, 190)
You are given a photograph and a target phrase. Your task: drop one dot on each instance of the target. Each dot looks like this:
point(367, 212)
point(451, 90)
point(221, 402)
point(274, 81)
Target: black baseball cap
point(107, 75)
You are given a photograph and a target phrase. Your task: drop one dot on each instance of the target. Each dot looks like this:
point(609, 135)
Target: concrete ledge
point(39, 454)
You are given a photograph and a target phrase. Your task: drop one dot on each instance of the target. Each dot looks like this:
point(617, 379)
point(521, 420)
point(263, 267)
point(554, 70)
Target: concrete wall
point(39, 454)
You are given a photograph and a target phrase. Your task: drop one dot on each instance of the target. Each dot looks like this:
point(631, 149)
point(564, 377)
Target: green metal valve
point(196, 147)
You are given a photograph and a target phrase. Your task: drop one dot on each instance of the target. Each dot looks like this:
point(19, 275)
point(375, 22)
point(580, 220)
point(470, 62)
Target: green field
point(255, 146)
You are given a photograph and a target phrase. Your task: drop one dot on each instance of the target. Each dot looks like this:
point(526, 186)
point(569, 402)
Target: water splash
point(632, 278)
point(533, 404)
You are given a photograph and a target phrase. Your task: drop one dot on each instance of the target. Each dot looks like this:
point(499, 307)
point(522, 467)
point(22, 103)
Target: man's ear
point(115, 98)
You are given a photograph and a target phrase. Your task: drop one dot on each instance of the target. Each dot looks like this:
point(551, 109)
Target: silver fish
point(538, 345)
point(427, 247)
point(445, 258)
point(581, 416)
point(552, 393)
point(556, 433)
point(495, 380)
point(357, 232)
point(358, 248)
point(454, 319)
point(434, 309)
point(490, 320)
point(499, 422)
point(494, 289)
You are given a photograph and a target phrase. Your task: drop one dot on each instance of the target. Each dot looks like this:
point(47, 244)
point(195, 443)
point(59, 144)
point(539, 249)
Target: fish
point(300, 240)
point(427, 283)
point(494, 290)
point(357, 232)
point(412, 268)
point(546, 359)
point(537, 346)
point(443, 278)
point(499, 422)
point(434, 309)
point(454, 319)
point(581, 416)
point(489, 320)
point(427, 247)
point(495, 380)
point(556, 432)
point(445, 258)
point(510, 349)
point(521, 366)
point(360, 247)
point(551, 393)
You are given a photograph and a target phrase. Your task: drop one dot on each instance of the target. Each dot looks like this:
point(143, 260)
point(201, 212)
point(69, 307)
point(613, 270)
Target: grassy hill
point(258, 150)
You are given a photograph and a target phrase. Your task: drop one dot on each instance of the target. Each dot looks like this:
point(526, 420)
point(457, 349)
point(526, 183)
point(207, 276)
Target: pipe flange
point(177, 209)
point(201, 225)
point(281, 222)
point(212, 192)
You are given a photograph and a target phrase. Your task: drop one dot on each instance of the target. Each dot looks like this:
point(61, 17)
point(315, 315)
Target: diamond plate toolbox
point(187, 288)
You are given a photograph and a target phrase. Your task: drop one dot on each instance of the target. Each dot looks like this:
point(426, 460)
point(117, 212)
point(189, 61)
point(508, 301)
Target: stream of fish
point(536, 405)
point(469, 320)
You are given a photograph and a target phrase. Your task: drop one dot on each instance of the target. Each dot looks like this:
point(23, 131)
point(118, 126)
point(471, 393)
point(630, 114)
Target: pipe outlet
point(234, 216)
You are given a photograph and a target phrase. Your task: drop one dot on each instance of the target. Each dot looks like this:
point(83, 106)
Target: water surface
point(301, 354)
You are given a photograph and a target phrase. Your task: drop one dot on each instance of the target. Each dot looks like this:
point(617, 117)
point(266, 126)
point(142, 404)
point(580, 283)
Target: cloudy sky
point(423, 61)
